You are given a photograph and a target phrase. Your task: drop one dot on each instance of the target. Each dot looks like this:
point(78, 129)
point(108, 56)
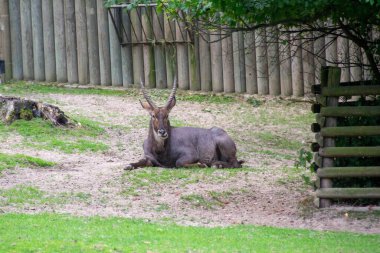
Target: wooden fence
point(329, 109)
point(75, 41)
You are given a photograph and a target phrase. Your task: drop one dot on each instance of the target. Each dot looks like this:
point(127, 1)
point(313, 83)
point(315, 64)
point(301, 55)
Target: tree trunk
point(13, 108)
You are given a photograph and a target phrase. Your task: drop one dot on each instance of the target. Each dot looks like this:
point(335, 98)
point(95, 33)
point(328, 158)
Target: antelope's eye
point(153, 116)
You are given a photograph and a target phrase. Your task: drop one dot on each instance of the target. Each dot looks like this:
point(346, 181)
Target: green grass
point(144, 179)
point(59, 233)
point(19, 160)
point(275, 141)
point(41, 134)
point(21, 195)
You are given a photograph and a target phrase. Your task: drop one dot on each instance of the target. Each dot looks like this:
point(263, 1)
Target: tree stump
point(13, 108)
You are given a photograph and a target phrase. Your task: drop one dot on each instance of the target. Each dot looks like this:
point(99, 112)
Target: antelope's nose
point(162, 132)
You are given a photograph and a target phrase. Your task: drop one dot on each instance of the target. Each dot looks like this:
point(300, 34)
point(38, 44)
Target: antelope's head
point(159, 115)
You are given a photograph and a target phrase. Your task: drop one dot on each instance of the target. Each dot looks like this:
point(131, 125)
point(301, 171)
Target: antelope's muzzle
point(162, 133)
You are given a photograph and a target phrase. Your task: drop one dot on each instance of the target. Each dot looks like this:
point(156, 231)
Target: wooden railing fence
point(329, 110)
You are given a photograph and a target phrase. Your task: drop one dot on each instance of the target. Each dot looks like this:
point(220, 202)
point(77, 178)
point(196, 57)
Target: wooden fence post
point(193, 56)
point(71, 42)
point(205, 62)
point(92, 39)
point(170, 51)
point(297, 68)
point(60, 42)
point(250, 63)
point(216, 62)
point(182, 57)
point(48, 34)
point(330, 77)
point(27, 39)
point(16, 41)
point(343, 58)
point(38, 41)
point(159, 50)
point(81, 36)
point(308, 64)
point(115, 51)
point(239, 61)
point(126, 52)
point(273, 62)
point(137, 50)
point(5, 40)
point(228, 65)
point(104, 45)
point(262, 62)
point(148, 36)
point(285, 65)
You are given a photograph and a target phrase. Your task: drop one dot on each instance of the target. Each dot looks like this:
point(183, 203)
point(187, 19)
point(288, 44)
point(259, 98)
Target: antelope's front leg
point(140, 164)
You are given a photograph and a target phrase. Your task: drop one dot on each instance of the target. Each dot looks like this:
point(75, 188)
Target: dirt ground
point(268, 192)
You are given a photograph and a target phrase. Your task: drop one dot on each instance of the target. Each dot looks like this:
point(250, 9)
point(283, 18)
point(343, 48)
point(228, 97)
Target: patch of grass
point(293, 175)
point(211, 200)
point(145, 179)
point(23, 194)
point(25, 88)
point(19, 160)
point(162, 207)
point(39, 133)
point(276, 141)
point(59, 233)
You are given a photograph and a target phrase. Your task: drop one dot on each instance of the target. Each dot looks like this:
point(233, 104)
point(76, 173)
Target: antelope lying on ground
point(170, 147)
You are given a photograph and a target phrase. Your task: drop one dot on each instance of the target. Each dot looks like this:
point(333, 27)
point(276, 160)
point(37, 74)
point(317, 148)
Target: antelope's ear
point(146, 106)
point(171, 104)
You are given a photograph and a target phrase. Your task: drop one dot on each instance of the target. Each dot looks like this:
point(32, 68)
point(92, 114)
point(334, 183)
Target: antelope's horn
point(172, 94)
point(146, 96)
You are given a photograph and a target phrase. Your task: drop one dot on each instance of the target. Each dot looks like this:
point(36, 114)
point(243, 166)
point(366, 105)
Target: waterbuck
point(171, 147)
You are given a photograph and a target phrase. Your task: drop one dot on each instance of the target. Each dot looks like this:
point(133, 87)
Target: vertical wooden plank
point(27, 40)
point(92, 41)
point(228, 65)
point(159, 50)
point(319, 55)
point(273, 62)
point(343, 58)
point(104, 44)
point(16, 40)
point(239, 64)
point(285, 65)
point(5, 39)
point(308, 63)
point(205, 62)
point(216, 61)
point(297, 67)
point(333, 79)
point(182, 57)
point(38, 41)
point(60, 42)
point(71, 42)
point(250, 62)
point(126, 52)
point(137, 49)
point(262, 62)
point(115, 50)
point(356, 59)
point(331, 50)
point(194, 71)
point(148, 36)
point(48, 37)
point(170, 51)
point(81, 35)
